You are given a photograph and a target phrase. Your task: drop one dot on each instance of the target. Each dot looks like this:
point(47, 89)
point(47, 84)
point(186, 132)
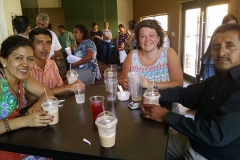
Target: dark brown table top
point(136, 137)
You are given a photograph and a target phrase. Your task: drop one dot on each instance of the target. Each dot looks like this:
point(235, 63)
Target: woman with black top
point(97, 37)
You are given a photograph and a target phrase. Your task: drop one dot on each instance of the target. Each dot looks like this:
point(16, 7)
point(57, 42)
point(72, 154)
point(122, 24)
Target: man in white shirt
point(42, 21)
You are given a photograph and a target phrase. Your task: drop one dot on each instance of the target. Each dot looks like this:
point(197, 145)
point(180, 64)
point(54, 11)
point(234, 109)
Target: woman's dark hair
point(94, 24)
point(37, 31)
point(12, 43)
point(121, 26)
point(153, 24)
point(83, 30)
point(228, 18)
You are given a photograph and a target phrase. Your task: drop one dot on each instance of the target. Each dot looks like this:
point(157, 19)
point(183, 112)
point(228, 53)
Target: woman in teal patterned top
point(16, 57)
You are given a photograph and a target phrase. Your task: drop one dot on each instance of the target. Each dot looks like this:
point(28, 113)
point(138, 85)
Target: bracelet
point(6, 124)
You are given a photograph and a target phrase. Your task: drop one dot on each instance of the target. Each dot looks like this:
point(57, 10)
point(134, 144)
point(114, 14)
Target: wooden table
point(136, 137)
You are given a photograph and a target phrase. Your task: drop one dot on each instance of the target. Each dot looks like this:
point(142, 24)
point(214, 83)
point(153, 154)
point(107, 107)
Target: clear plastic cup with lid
point(72, 76)
point(106, 123)
point(110, 73)
point(134, 86)
point(151, 96)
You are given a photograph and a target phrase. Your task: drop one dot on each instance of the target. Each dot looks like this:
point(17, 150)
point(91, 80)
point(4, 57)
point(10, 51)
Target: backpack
point(208, 68)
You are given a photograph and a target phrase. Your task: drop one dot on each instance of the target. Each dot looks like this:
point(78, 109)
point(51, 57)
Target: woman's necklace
point(15, 93)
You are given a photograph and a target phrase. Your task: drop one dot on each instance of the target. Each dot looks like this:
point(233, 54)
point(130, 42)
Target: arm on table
point(37, 119)
point(219, 130)
point(67, 87)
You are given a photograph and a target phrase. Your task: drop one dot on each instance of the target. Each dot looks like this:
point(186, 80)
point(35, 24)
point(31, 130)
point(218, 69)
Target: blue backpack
point(208, 68)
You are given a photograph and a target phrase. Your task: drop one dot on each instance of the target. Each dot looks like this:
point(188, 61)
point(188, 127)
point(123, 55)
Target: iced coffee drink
point(72, 76)
point(51, 106)
point(106, 123)
point(151, 96)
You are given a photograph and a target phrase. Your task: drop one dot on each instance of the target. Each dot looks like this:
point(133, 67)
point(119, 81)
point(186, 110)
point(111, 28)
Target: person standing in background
point(166, 41)
point(66, 39)
point(42, 21)
point(87, 66)
point(122, 53)
point(106, 43)
point(97, 37)
point(22, 26)
point(122, 37)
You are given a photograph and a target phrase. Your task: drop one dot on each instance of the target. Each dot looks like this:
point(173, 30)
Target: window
point(162, 19)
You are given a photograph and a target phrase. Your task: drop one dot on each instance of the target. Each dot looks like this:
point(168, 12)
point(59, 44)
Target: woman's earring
point(158, 45)
point(4, 65)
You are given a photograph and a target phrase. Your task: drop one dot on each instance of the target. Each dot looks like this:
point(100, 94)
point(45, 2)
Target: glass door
point(200, 20)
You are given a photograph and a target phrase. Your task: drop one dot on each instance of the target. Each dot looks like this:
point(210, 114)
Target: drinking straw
point(103, 109)
point(46, 93)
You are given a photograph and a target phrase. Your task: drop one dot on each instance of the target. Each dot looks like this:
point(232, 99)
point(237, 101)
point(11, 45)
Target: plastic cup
point(72, 76)
point(135, 88)
point(97, 104)
point(110, 73)
point(151, 96)
point(111, 89)
point(51, 106)
point(106, 123)
point(68, 50)
point(79, 93)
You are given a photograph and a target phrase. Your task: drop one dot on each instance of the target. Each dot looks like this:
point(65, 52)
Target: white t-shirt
point(55, 44)
point(166, 41)
point(122, 56)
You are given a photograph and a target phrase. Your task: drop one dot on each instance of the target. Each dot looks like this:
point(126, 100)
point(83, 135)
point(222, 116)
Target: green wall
point(84, 12)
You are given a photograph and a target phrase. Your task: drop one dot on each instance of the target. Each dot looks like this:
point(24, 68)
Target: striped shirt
point(49, 76)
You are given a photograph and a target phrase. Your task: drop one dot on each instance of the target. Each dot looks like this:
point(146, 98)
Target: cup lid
point(110, 71)
point(72, 73)
point(106, 119)
point(134, 74)
point(49, 102)
point(151, 92)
